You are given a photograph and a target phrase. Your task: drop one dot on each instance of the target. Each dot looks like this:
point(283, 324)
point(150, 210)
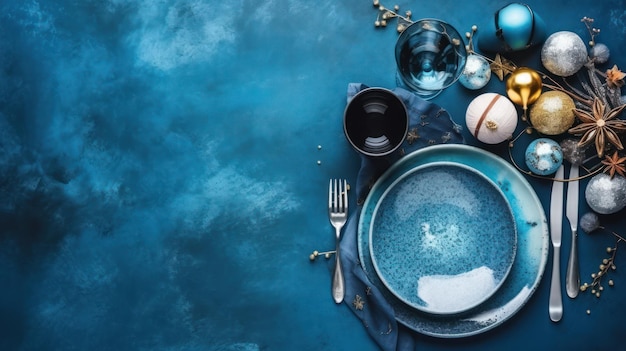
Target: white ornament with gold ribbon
point(491, 118)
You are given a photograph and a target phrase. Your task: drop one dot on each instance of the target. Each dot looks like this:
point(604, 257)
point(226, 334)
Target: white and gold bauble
point(491, 118)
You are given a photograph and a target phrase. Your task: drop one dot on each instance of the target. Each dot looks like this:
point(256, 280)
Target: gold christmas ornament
point(553, 113)
point(524, 87)
point(491, 118)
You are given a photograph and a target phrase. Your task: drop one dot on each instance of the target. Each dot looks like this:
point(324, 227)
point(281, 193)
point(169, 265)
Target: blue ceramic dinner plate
point(442, 238)
point(532, 243)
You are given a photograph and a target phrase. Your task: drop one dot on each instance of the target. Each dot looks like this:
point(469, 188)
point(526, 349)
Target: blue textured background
point(159, 186)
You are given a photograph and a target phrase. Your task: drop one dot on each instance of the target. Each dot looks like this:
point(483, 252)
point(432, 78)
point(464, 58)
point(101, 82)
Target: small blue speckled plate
point(533, 241)
point(442, 238)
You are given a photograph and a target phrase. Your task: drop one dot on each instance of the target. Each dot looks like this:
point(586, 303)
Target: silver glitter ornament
point(476, 73)
point(564, 53)
point(606, 195)
point(572, 152)
point(600, 53)
point(589, 222)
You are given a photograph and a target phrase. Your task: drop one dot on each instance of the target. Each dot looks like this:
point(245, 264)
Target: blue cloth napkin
point(429, 124)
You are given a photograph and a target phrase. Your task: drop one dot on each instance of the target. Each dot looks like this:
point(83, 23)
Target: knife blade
point(555, 305)
point(572, 277)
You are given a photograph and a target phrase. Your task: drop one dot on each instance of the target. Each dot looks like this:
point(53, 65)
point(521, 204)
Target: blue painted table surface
point(160, 186)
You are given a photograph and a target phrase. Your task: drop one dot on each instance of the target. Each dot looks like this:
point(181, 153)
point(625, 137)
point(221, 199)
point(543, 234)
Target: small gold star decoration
point(614, 165)
point(615, 78)
point(600, 126)
point(358, 303)
point(502, 67)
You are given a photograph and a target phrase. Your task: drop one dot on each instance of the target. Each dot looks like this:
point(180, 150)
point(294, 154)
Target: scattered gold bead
point(613, 267)
point(611, 282)
point(609, 249)
point(381, 7)
point(588, 311)
point(377, 23)
point(408, 13)
point(474, 28)
point(598, 294)
point(376, 2)
point(396, 7)
point(383, 23)
point(327, 255)
point(593, 291)
point(468, 35)
point(319, 162)
point(319, 147)
point(312, 257)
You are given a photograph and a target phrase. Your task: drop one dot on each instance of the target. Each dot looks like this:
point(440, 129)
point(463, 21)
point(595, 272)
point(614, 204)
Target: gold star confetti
point(412, 135)
point(501, 67)
point(358, 303)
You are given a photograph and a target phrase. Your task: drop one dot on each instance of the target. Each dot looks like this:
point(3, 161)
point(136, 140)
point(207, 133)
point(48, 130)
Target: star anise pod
point(615, 77)
point(614, 164)
point(599, 126)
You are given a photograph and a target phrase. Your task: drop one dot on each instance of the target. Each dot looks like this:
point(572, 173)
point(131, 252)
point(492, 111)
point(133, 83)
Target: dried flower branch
point(589, 223)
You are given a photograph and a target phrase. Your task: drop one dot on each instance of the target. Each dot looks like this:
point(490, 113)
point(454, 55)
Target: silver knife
point(555, 305)
point(572, 278)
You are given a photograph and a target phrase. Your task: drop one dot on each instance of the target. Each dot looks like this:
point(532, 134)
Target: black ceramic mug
point(376, 122)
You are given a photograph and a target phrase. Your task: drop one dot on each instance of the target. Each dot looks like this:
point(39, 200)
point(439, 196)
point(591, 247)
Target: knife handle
point(572, 277)
point(555, 305)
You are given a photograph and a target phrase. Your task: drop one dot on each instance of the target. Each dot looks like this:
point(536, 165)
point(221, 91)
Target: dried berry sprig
point(589, 223)
point(316, 253)
point(385, 14)
point(592, 30)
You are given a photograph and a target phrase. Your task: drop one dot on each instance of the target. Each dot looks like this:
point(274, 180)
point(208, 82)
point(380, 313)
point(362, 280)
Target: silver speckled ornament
point(600, 53)
point(589, 222)
point(572, 152)
point(605, 195)
point(564, 53)
point(476, 73)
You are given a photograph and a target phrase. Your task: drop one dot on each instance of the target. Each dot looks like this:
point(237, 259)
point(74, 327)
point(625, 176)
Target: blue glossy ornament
point(544, 156)
point(515, 27)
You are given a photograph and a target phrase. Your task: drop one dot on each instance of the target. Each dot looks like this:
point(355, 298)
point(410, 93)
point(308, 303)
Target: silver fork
point(338, 214)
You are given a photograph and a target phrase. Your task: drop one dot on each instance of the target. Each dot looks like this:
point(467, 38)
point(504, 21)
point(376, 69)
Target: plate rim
point(537, 235)
point(511, 253)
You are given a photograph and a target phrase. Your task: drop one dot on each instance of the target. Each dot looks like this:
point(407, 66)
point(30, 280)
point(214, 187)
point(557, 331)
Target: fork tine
point(340, 197)
point(345, 196)
point(335, 195)
point(330, 195)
